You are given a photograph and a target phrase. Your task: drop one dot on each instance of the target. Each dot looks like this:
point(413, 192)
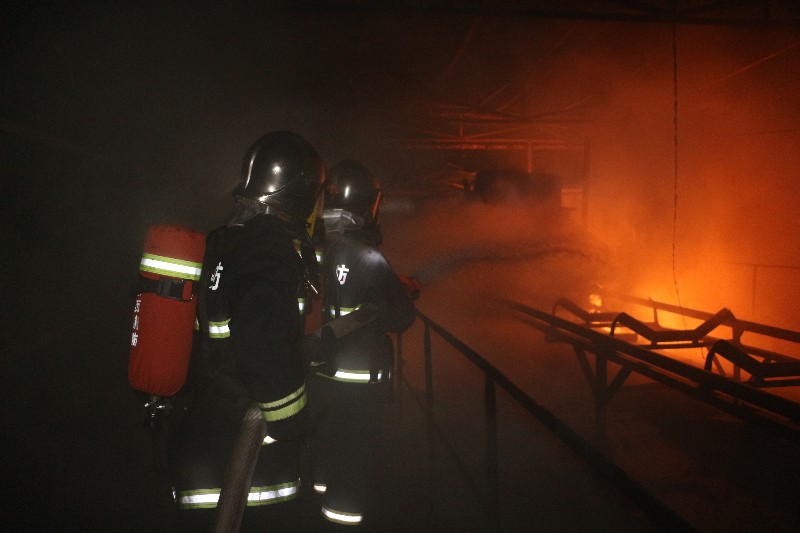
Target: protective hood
point(338, 220)
point(245, 209)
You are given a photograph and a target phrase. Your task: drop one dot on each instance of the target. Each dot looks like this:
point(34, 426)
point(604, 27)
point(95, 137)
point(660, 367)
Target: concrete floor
point(714, 471)
point(79, 459)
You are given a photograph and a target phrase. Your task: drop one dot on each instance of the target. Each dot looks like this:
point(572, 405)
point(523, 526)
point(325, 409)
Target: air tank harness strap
point(171, 288)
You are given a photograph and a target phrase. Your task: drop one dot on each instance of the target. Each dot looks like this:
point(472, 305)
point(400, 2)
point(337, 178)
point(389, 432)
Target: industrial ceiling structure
point(490, 77)
point(501, 113)
point(454, 84)
point(440, 74)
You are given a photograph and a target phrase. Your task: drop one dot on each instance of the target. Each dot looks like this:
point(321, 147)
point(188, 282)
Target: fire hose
point(317, 345)
point(239, 473)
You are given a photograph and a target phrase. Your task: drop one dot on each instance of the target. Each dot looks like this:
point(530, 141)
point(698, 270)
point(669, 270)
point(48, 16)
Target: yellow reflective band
point(285, 407)
point(301, 304)
point(209, 498)
point(219, 330)
point(340, 517)
point(168, 266)
point(320, 488)
point(198, 499)
point(273, 494)
point(311, 221)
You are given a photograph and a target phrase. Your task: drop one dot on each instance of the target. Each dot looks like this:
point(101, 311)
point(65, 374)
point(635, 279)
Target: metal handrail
point(493, 377)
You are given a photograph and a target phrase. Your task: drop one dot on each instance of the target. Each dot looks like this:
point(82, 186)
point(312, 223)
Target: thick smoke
point(468, 254)
point(691, 192)
point(692, 180)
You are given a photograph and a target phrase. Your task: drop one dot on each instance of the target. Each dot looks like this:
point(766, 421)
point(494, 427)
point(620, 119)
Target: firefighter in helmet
point(353, 385)
point(250, 332)
point(353, 197)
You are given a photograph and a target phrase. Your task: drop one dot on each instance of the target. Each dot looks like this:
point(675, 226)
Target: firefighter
point(250, 340)
point(353, 385)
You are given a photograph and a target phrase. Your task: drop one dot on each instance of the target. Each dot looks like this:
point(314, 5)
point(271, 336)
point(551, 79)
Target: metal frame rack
point(643, 347)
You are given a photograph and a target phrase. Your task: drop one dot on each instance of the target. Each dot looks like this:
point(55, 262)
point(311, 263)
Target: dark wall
point(79, 458)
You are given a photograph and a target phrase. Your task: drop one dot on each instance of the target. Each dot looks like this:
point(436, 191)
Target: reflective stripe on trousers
point(341, 517)
point(208, 498)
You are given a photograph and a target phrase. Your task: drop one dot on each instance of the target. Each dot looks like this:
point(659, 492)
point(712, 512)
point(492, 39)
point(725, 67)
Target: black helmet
point(351, 188)
point(282, 174)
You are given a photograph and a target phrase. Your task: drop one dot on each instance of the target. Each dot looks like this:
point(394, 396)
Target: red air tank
point(165, 310)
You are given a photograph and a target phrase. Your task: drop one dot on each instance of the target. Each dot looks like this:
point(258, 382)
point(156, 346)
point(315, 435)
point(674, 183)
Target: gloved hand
point(310, 345)
point(411, 286)
point(318, 347)
point(328, 344)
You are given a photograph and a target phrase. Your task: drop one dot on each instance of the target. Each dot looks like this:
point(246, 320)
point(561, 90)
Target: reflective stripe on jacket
point(285, 407)
point(353, 376)
point(250, 285)
point(219, 330)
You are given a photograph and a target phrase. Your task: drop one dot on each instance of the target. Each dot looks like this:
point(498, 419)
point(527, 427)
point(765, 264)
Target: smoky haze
point(116, 116)
point(691, 190)
point(692, 214)
point(702, 209)
point(119, 117)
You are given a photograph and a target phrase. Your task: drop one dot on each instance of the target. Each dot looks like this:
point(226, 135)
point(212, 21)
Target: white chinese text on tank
point(341, 273)
point(215, 277)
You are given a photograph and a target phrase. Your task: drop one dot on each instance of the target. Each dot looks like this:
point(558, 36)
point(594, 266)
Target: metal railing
point(494, 378)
